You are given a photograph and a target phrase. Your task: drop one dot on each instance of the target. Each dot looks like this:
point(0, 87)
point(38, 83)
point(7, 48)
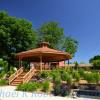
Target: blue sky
point(79, 18)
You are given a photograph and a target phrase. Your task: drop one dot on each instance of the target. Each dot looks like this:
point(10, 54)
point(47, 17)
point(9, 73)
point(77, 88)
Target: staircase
point(21, 76)
point(18, 80)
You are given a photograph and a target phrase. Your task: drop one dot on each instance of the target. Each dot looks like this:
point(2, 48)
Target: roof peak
point(44, 44)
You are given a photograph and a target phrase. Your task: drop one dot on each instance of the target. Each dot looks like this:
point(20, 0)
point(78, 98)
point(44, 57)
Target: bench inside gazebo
point(42, 58)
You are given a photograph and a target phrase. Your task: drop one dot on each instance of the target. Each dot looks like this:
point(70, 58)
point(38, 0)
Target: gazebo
point(43, 54)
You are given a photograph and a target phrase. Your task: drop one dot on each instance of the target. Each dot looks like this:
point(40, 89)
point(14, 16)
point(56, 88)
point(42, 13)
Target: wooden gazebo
point(43, 54)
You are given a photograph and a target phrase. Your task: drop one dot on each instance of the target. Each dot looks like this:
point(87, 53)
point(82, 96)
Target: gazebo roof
point(45, 52)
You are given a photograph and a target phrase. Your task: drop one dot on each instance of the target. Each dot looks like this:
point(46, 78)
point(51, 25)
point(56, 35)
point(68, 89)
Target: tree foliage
point(15, 35)
point(97, 57)
point(54, 34)
point(96, 64)
point(51, 32)
point(70, 45)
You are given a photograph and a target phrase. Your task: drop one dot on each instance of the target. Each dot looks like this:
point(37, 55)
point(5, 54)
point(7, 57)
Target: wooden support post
point(40, 63)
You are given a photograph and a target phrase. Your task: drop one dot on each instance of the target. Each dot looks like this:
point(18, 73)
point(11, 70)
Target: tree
point(97, 57)
point(52, 33)
point(70, 45)
point(16, 35)
point(76, 65)
point(96, 64)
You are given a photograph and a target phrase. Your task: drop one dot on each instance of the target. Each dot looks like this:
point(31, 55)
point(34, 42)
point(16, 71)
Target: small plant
point(55, 75)
point(65, 90)
point(64, 76)
point(3, 82)
point(81, 72)
point(57, 89)
point(22, 87)
point(76, 75)
point(89, 77)
point(45, 86)
point(69, 80)
point(96, 77)
point(28, 86)
point(57, 86)
point(43, 74)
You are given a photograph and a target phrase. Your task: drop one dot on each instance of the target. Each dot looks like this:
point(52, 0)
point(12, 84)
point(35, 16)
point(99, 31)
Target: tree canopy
point(70, 45)
point(97, 57)
point(15, 35)
point(54, 34)
point(51, 32)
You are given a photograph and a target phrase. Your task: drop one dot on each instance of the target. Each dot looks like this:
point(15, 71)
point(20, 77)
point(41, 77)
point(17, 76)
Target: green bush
point(81, 72)
point(57, 85)
point(64, 76)
point(65, 90)
point(2, 74)
point(69, 80)
point(22, 87)
point(55, 74)
point(90, 77)
point(3, 82)
point(43, 74)
point(33, 86)
point(57, 89)
point(96, 77)
point(4, 65)
point(76, 75)
point(45, 86)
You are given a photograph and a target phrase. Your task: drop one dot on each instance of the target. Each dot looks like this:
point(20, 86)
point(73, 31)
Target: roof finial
point(44, 44)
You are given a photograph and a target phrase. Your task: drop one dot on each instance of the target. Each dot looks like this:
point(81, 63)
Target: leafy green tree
point(16, 35)
point(51, 32)
point(97, 57)
point(76, 65)
point(70, 45)
point(96, 64)
point(3, 65)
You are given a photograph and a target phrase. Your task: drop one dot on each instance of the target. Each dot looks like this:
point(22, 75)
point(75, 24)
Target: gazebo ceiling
point(46, 53)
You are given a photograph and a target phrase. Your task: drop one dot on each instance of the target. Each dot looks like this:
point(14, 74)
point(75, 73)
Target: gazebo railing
point(15, 75)
point(29, 75)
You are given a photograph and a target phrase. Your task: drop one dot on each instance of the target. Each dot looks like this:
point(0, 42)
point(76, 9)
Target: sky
point(79, 18)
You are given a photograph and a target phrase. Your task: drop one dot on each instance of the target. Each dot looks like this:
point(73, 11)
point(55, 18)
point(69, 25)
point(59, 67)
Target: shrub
point(96, 77)
point(28, 86)
point(57, 85)
point(55, 75)
point(2, 74)
point(3, 82)
point(45, 86)
point(69, 80)
point(22, 87)
point(65, 90)
point(43, 74)
point(64, 76)
point(81, 72)
point(57, 89)
point(89, 77)
point(76, 75)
